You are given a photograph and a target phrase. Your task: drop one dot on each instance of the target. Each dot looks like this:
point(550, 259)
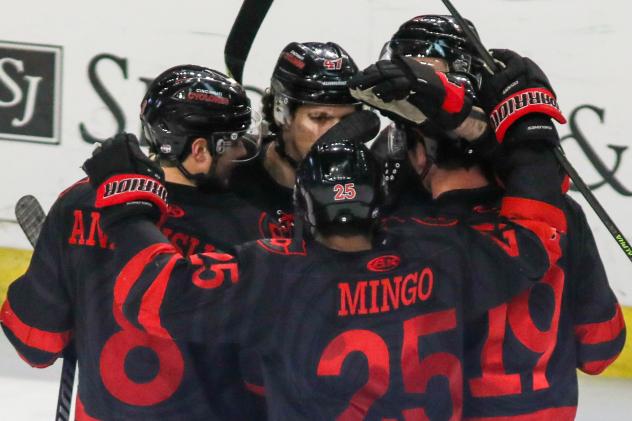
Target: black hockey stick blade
point(30, 216)
point(242, 35)
point(361, 126)
point(612, 228)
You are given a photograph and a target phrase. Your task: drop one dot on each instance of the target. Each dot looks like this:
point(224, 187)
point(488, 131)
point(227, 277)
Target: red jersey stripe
point(80, 412)
point(596, 333)
point(53, 342)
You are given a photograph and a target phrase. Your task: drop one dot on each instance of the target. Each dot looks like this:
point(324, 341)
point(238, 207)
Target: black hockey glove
point(519, 100)
point(412, 91)
point(127, 182)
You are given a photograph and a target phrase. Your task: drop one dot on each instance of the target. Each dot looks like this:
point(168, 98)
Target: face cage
point(250, 139)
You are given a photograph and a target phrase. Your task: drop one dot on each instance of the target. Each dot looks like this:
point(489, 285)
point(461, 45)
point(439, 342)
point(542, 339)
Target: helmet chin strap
point(280, 149)
point(199, 178)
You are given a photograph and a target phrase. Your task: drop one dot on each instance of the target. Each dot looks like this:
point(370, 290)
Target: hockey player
point(308, 94)
point(521, 362)
point(350, 325)
point(195, 120)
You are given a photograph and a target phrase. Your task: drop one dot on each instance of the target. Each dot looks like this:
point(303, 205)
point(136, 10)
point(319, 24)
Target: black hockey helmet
point(309, 73)
point(187, 102)
point(439, 36)
point(338, 184)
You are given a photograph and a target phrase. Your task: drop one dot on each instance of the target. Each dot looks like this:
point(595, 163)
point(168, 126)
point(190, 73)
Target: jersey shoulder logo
point(280, 227)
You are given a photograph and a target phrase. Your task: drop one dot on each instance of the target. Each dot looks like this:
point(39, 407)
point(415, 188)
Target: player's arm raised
point(155, 279)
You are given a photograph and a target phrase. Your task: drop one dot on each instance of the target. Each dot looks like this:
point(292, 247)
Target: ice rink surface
point(28, 394)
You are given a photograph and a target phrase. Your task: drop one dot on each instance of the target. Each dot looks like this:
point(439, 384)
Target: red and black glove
point(413, 91)
point(519, 100)
point(127, 182)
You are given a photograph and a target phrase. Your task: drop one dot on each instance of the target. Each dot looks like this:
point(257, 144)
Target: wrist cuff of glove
point(114, 215)
point(518, 105)
point(533, 128)
point(126, 188)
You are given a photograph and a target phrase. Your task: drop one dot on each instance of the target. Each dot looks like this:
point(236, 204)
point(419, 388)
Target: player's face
point(308, 123)
point(225, 162)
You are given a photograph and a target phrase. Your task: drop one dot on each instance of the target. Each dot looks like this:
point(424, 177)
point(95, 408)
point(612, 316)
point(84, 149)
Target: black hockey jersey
point(67, 292)
point(521, 358)
point(252, 183)
point(367, 335)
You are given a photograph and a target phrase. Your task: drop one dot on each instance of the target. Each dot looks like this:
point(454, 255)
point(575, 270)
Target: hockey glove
point(519, 100)
point(127, 182)
point(412, 91)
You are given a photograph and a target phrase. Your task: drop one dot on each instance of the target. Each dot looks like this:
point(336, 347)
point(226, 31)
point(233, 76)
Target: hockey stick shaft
point(31, 217)
point(242, 35)
point(612, 228)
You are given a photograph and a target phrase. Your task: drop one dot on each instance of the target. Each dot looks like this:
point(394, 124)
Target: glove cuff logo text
point(124, 188)
point(535, 100)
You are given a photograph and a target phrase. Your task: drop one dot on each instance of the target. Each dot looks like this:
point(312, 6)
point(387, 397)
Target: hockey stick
point(242, 35)
point(615, 232)
point(30, 217)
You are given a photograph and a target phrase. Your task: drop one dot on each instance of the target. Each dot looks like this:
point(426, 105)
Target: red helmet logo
point(333, 64)
point(384, 263)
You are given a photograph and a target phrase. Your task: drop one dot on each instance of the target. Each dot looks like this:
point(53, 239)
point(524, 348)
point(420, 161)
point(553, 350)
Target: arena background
point(73, 72)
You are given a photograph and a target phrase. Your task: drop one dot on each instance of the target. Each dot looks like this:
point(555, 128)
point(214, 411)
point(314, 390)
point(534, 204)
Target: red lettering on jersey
point(78, 234)
point(390, 297)
point(494, 381)
point(374, 348)
point(95, 228)
point(218, 264)
point(417, 374)
point(416, 371)
point(508, 242)
point(116, 349)
point(186, 244)
point(539, 341)
point(407, 290)
point(359, 299)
